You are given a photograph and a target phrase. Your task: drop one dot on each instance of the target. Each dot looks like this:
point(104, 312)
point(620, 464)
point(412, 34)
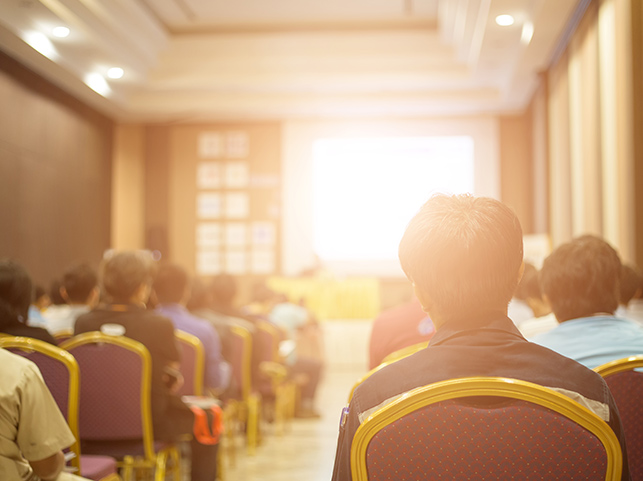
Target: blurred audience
point(172, 287)
point(16, 293)
point(631, 294)
point(580, 280)
point(79, 290)
point(126, 279)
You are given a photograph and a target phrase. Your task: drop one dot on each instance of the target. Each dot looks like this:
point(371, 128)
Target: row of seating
point(112, 401)
point(485, 424)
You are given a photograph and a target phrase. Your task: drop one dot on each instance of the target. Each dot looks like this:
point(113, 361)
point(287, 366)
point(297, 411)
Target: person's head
point(171, 284)
point(529, 291)
point(79, 285)
point(581, 278)
point(16, 292)
point(223, 290)
point(127, 276)
point(463, 255)
point(199, 295)
point(54, 293)
point(631, 284)
point(41, 298)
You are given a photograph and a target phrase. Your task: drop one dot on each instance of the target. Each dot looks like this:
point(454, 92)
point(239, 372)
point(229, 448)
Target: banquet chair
point(62, 336)
point(115, 413)
point(192, 364)
point(484, 429)
point(60, 372)
point(625, 380)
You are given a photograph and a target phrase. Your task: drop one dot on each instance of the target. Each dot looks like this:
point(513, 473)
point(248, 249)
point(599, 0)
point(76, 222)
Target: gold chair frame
point(152, 459)
point(480, 386)
point(199, 358)
point(620, 365)
point(62, 356)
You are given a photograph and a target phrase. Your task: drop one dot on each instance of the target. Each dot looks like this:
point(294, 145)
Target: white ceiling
point(195, 60)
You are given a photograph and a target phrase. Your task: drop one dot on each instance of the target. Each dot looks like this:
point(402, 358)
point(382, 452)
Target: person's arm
point(49, 468)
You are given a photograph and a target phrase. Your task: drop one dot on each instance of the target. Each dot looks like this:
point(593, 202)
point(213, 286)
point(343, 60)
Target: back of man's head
point(171, 283)
point(223, 290)
point(78, 282)
point(123, 273)
point(581, 278)
point(463, 254)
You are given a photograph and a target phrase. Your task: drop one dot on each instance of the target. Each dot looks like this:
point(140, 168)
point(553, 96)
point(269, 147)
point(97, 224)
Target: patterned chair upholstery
point(60, 372)
point(626, 385)
point(114, 415)
point(484, 429)
point(192, 364)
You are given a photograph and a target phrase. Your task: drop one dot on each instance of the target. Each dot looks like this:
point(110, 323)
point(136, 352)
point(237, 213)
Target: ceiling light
point(527, 33)
point(504, 20)
point(98, 84)
point(42, 44)
point(60, 32)
point(115, 72)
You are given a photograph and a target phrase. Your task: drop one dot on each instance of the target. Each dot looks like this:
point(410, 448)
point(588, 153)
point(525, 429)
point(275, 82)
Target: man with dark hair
point(126, 279)
point(463, 255)
point(172, 287)
point(79, 289)
point(581, 281)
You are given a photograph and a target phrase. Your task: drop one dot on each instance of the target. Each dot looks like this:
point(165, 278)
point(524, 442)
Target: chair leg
point(128, 468)
point(253, 423)
point(161, 463)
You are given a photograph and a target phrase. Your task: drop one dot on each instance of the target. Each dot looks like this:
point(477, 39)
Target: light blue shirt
point(594, 341)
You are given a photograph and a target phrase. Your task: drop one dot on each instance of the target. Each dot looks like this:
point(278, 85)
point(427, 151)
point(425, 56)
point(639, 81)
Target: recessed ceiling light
point(60, 32)
point(98, 84)
point(115, 72)
point(42, 44)
point(504, 20)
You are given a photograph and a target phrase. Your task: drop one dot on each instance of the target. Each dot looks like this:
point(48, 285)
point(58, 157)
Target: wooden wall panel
point(55, 175)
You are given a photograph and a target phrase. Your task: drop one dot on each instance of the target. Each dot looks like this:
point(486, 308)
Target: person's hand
point(173, 379)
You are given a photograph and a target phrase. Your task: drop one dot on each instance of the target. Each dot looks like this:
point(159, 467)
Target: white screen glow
point(366, 190)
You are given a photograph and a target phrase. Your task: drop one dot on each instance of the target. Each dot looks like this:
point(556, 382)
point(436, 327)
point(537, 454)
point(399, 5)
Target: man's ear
point(63, 294)
point(521, 271)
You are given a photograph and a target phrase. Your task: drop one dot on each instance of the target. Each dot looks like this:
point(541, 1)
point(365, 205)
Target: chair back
point(626, 385)
point(115, 390)
point(241, 359)
point(268, 338)
point(192, 363)
point(405, 352)
point(60, 372)
point(62, 336)
point(484, 428)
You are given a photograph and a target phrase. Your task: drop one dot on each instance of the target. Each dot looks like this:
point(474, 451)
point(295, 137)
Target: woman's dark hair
point(16, 293)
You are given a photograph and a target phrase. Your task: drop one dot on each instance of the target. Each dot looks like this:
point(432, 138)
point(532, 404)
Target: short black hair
point(631, 283)
point(170, 283)
point(79, 280)
point(16, 291)
point(464, 254)
point(122, 273)
point(581, 278)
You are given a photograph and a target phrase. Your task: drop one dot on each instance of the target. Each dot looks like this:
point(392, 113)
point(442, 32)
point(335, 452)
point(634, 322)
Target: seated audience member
point(126, 279)
point(79, 289)
point(519, 309)
point(32, 428)
point(463, 255)
point(15, 298)
point(581, 282)
point(631, 294)
point(172, 287)
point(396, 328)
point(544, 319)
point(223, 292)
point(41, 301)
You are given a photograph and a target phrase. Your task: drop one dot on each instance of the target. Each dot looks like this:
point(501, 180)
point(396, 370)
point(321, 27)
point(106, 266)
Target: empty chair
point(485, 429)
point(115, 417)
point(626, 384)
point(60, 371)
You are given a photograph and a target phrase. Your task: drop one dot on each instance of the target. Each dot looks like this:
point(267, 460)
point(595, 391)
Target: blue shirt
point(217, 371)
point(595, 340)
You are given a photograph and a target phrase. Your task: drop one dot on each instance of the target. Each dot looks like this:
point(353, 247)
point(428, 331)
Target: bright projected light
point(366, 190)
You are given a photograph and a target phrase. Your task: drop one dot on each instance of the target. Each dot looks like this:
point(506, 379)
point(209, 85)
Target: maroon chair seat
point(97, 467)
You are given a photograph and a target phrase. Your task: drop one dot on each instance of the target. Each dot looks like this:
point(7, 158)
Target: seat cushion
point(96, 467)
